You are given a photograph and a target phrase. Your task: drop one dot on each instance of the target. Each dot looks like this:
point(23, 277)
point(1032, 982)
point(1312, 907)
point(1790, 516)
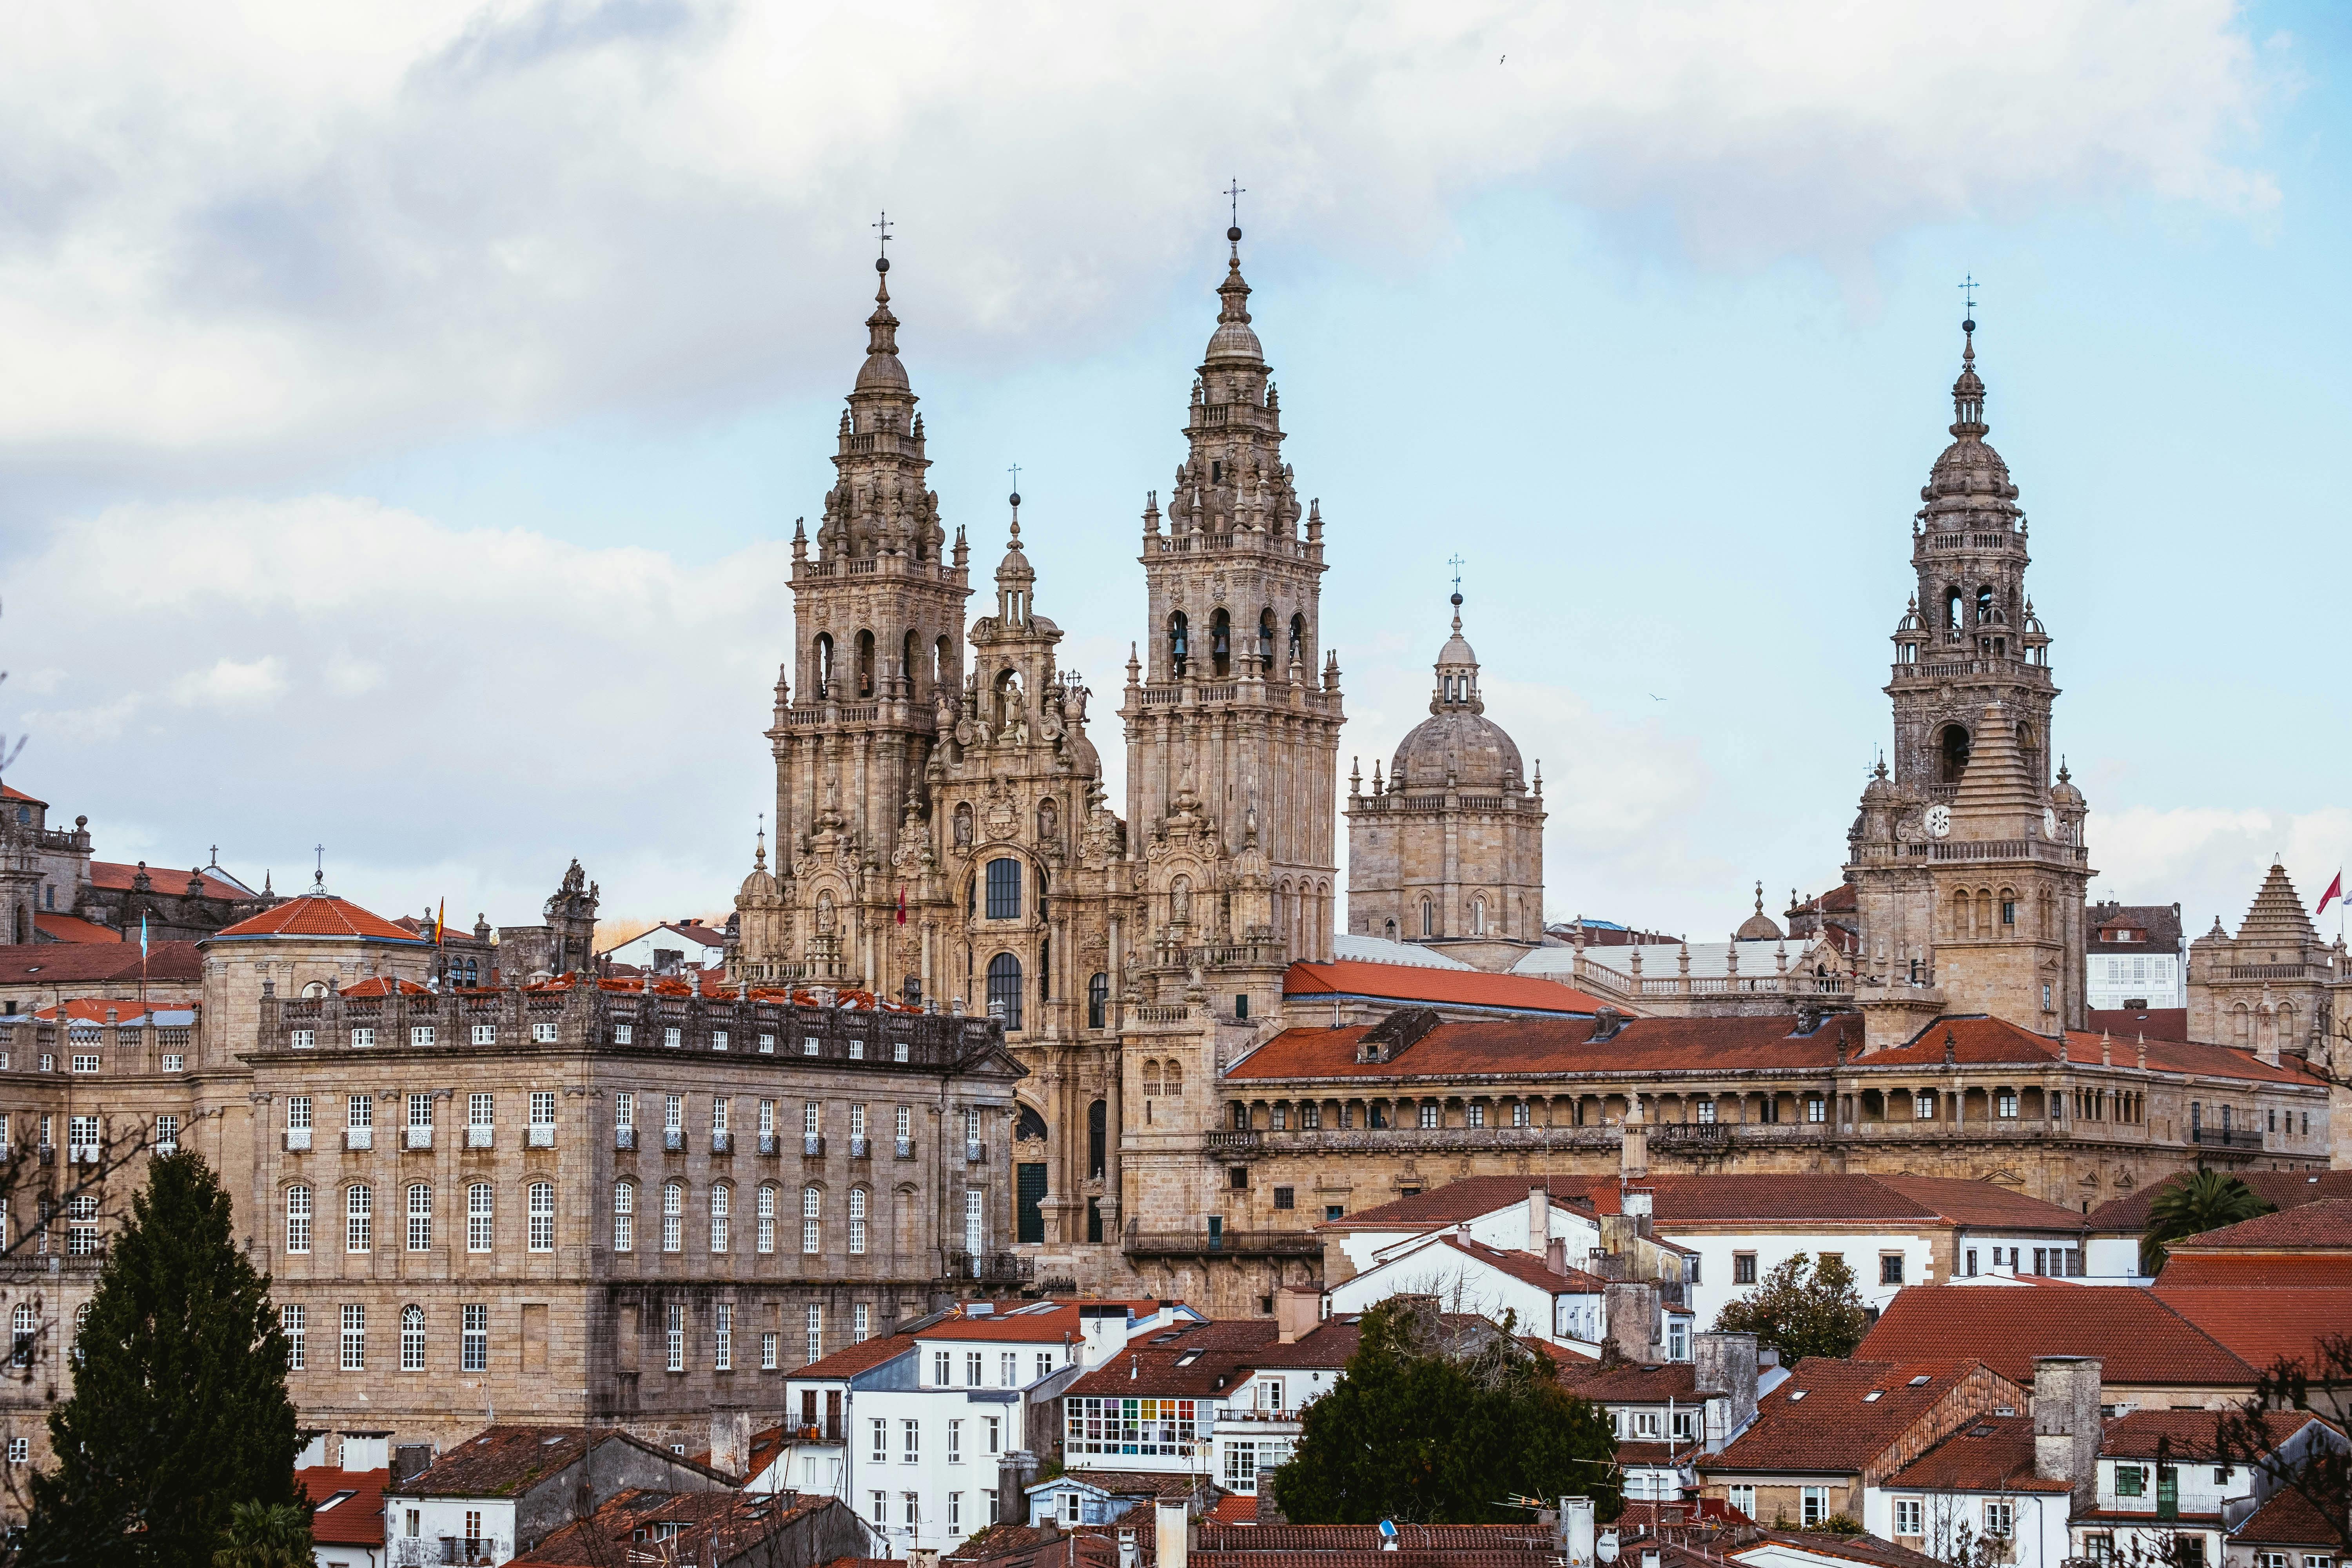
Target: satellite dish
point(1606, 1550)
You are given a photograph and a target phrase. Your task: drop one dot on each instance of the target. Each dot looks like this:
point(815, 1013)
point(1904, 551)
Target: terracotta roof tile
point(851, 1359)
point(1442, 987)
point(2186, 1433)
point(48, 964)
point(2279, 1189)
point(2324, 1223)
point(1137, 1483)
point(2260, 1326)
point(505, 1461)
point(1983, 1202)
point(1475, 1196)
point(1026, 1321)
point(117, 878)
point(1836, 1416)
point(1864, 1549)
point(2288, 1520)
point(1729, 1199)
point(715, 1526)
point(2140, 1339)
point(1529, 1269)
point(1993, 1454)
point(1232, 1509)
point(1515, 1048)
point(356, 1519)
point(320, 915)
point(10, 792)
point(73, 928)
point(1200, 1362)
point(1652, 1383)
point(2121, 1023)
point(2250, 1271)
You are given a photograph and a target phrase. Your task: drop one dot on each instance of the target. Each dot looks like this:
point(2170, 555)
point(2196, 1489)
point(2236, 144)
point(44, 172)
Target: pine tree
point(179, 1410)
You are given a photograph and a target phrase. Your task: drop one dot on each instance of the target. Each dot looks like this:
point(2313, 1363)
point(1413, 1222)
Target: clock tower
point(1967, 861)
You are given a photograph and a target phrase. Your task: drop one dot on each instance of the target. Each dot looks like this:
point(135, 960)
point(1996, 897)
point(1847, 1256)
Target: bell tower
point(1232, 708)
point(1968, 862)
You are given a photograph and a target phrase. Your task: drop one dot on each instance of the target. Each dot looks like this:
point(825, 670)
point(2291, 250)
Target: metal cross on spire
point(1456, 563)
point(882, 226)
point(1233, 193)
point(1968, 287)
point(321, 878)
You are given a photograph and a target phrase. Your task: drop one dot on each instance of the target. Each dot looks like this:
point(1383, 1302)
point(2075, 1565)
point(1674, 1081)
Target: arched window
point(297, 1219)
point(1389, 929)
point(766, 1239)
point(420, 1217)
point(2241, 1025)
point(721, 1199)
point(22, 1324)
point(1477, 917)
point(911, 663)
point(942, 664)
point(1299, 639)
point(1952, 610)
point(1172, 1076)
point(1265, 636)
point(824, 664)
point(2029, 747)
point(482, 1217)
point(1985, 616)
point(412, 1338)
point(865, 664)
point(1180, 644)
point(812, 1209)
point(1098, 1136)
point(1221, 643)
point(1004, 890)
point(81, 1322)
point(539, 1218)
point(857, 1221)
point(1005, 989)
point(624, 1216)
point(673, 1216)
point(1097, 1001)
point(1960, 913)
point(1952, 753)
point(1151, 1078)
point(1428, 917)
point(358, 1218)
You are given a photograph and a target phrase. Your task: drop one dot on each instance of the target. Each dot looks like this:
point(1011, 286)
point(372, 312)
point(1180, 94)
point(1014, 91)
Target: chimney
point(1297, 1310)
point(1556, 1255)
point(1538, 1219)
point(731, 1440)
point(1630, 1308)
point(1016, 1472)
point(1104, 1329)
point(922, 1557)
point(1126, 1548)
point(1172, 1536)
point(1633, 1145)
point(2066, 1420)
point(1726, 1363)
point(1637, 1204)
point(1575, 1538)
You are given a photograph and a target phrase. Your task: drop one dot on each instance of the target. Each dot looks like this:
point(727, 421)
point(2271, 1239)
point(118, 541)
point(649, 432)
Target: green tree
point(1437, 1422)
point(179, 1408)
point(2206, 1201)
point(262, 1536)
point(1802, 1308)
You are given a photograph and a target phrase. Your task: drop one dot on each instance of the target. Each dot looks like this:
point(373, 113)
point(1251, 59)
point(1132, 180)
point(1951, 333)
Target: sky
point(404, 409)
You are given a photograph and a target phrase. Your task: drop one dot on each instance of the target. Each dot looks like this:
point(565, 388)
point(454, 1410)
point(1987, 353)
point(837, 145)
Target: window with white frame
point(412, 1338)
point(1909, 1513)
point(420, 1114)
point(718, 1114)
point(723, 1340)
point(991, 1429)
point(859, 1328)
point(1743, 1498)
point(811, 1219)
point(815, 1326)
point(420, 1217)
point(767, 1045)
point(673, 1113)
point(359, 1111)
point(482, 1217)
point(358, 1218)
point(298, 1113)
point(542, 1108)
point(540, 1216)
point(303, 1040)
point(1999, 1518)
point(297, 1219)
point(1814, 1505)
point(767, 1218)
point(718, 1039)
point(971, 1365)
point(294, 1323)
point(481, 1110)
point(624, 1216)
point(420, 1035)
point(673, 1218)
point(857, 1221)
point(485, 1034)
point(542, 1033)
point(363, 1038)
point(1008, 1369)
point(721, 1229)
point(677, 1345)
point(910, 1433)
point(879, 1453)
point(473, 1337)
point(354, 1342)
point(768, 1350)
point(941, 1363)
point(955, 1442)
point(625, 1109)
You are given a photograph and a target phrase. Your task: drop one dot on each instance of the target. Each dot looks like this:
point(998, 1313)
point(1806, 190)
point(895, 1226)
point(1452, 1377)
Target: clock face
point(1939, 821)
point(2049, 824)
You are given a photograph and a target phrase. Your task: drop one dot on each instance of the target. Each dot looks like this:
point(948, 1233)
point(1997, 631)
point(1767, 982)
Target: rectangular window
point(359, 1111)
point(1816, 1505)
point(767, 1351)
point(539, 1218)
point(859, 1328)
point(767, 1045)
point(1706, 1111)
point(942, 1363)
point(955, 1442)
point(815, 1333)
point(542, 1033)
point(485, 1034)
point(910, 1432)
point(811, 1045)
point(1008, 1369)
point(1816, 1108)
point(1428, 1111)
point(991, 1429)
point(298, 1113)
point(1286, 1197)
point(677, 1339)
point(297, 1219)
point(955, 1515)
point(719, 1113)
point(542, 1108)
point(1743, 1268)
point(359, 1219)
point(480, 1220)
point(173, 1061)
point(292, 1322)
point(722, 1347)
point(481, 1110)
point(303, 1040)
point(673, 1112)
point(1999, 1518)
point(474, 1341)
point(82, 1063)
point(2005, 1103)
point(718, 1039)
point(354, 1343)
point(421, 1035)
point(1908, 1513)
point(1743, 1499)
point(2131, 1480)
point(1890, 1268)
point(625, 1109)
point(880, 1452)
point(673, 1038)
point(1003, 890)
point(363, 1038)
point(420, 1217)
point(1142, 1427)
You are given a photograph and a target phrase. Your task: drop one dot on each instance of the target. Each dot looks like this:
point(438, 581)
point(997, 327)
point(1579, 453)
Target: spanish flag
point(441, 922)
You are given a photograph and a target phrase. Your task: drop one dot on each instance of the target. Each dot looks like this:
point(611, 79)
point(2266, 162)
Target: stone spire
point(1998, 789)
point(2277, 914)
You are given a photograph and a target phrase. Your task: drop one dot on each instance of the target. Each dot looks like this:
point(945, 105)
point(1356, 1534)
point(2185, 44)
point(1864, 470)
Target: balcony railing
point(625, 1137)
point(722, 1143)
point(992, 1267)
point(673, 1140)
point(298, 1138)
point(359, 1137)
point(420, 1138)
point(543, 1135)
point(2221, 1138)
point(480, 1135)
point(975, 1154)
point(905, 1150)
point(860, 1149)
point(82, 1153)
point(1252, 1412)
point(812, 1145)
point(1140, 1243)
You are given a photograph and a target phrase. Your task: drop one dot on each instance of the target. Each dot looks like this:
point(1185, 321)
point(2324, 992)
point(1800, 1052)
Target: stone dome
point(1458, 739)
point(1760, 926)
point(882, 372)
point(1969, 480)
point(760, 887)
point(1234, 339)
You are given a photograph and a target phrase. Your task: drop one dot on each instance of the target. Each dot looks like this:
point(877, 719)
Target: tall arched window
point(412, 1338)
point(22, 1324)
point(420, 1217)
point(1005, 989)
point(539, 1214)
point(911, 663)
point(865, 664)
point(1984, 605)
point(766, 1238)
point(1221, 644)
point(673, 1216)
point(482, 1217)
point(1180, 643)
point(1150, 1077)
point(1172, 1076)
point(1952, 753)
point(811, 1221)
point(1299, 639)
point(1265, 634)
point(1098, 1136)
point(1004, 890)
point(857, 1221)
point(624, 1216)
point(1428, 917)
point(1097, 1001)
point(297, 1219)
point(824, 664)
point(358, 1218)
point(942, 664)
point(1952, 610)
point(721, 1226)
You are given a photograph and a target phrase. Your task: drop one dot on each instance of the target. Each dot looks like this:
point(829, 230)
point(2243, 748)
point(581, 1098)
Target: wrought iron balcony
point(625, 1137)
point(992, 1267)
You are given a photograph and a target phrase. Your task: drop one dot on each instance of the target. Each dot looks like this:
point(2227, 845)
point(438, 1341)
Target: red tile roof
point(1232, 1509)
point(2324, 1223)
point(385, 985)
point(117, 878)
point(73, 928)
point(356, 1520)
point(2131, 1023)
point(10, 792)
point(2260, 1326)
point(321, 915)
point(1519, 1047)
point(95, 963)
point(2279, 1189)
point(2288, 1520)
point(2248, 1271)
point(1762, 1197)
point(1651, 1384)
point(1837, 1417)
point(2186, 1434)
point(712, 1526)
point(851, 1359)
point(2140, 1339)
point(1475, 1196)
point(506, 1461)
point(1199, 1361)
point(1441, 987)
point(1993, 1454)
point(1984, 1203)
point(1021, 1323)
point(93, 1010)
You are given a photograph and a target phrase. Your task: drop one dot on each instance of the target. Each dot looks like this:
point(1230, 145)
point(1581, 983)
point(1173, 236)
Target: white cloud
point(2210, 861)
point(229, 684)
point(273, 224)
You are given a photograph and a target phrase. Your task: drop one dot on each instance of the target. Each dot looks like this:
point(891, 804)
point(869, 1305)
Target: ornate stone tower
point(1967, 863)
point(877, 628)
point(1233, 732)
point(1450, 853)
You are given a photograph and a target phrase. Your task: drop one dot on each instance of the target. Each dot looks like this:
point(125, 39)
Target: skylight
point(338, 1497)
point(1872, 1397)
point(1796, 1395)
point(1921, 1381)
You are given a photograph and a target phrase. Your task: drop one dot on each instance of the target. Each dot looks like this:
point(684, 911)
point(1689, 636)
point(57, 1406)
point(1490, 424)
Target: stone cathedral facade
point(943, 827)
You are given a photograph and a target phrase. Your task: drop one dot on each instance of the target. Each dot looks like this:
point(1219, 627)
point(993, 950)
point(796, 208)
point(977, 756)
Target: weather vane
point(882, 224)
point(1968, 294)
point(1456, 563)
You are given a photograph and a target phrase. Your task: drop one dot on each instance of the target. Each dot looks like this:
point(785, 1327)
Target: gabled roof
point(2188, 1434)
point(385, 985)
point(1834, 1418)
point(1994, 1453)
point(506, 1461)
point(2325, 1224)
point(73, 928)
point(1529, 1269)
point(2279, 1189)
point(1645, 1383)
point(1439, 987)
point(1982, 1202)
point(320, 915)
point(864, 1356)
point(117, 878)
point(1984, 1041)
point(2261, 1326)
point(1762, 1198)
point(1531, 1045)
point(96, 962)
point(10, 792)
point(2139, 1339)
point(1026, 1322)
point(710, 1526)
point(2288, 1520)
point(2159, 923)
point(347, 1505)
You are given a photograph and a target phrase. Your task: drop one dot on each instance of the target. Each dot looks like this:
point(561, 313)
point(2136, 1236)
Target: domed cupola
point(1457, 744)
point(1969, 481)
